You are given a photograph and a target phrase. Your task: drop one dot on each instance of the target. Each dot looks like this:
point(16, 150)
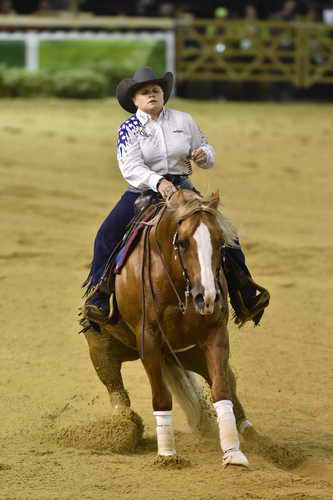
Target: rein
point(146, 253)
point(143, 300)
point(181, 305)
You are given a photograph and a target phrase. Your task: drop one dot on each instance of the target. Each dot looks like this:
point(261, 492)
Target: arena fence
point(297, 52)
point(196, 50)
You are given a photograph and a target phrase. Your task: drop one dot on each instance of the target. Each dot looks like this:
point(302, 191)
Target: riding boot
point(97, 306)
point(247, 298)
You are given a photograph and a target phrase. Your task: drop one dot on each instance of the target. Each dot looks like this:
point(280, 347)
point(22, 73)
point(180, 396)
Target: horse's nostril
point(199, 300)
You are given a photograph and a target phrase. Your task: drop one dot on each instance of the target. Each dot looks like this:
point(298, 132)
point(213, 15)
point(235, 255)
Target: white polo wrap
point(165, 433)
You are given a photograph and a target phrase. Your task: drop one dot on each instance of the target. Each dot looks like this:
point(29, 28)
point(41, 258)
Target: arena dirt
point(58, 181)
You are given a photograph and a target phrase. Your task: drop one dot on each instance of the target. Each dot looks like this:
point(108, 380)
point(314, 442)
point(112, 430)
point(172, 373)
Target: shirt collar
point(144, 118)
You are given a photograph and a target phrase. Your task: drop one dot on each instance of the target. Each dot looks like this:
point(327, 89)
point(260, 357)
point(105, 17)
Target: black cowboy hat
point(127, 88)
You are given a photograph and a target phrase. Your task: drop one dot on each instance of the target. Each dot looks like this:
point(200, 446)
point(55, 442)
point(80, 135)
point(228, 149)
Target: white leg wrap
point(227, 425)
point(165, 434)
point(228, 434)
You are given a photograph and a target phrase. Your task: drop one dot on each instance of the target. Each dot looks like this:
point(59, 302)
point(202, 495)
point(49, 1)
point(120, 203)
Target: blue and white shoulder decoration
point(129, 128)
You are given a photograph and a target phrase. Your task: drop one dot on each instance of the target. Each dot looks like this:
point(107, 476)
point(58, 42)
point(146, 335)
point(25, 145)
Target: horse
point(173, 304)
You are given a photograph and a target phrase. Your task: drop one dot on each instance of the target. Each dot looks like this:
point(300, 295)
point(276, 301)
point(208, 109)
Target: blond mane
point(192, 203)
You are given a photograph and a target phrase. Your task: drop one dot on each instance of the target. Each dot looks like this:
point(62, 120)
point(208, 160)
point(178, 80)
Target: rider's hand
point(199, 156)
point(166, 188)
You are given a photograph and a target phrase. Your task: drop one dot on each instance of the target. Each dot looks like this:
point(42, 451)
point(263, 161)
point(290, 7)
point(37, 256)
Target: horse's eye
point(182, 244)
point(222, 243)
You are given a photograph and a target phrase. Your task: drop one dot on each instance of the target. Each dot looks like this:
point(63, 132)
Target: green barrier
point(12, 53)
point(122, 54)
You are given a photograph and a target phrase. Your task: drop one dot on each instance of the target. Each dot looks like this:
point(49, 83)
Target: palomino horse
point(172, 298)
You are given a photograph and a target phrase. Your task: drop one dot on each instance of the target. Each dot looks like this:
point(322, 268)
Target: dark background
point(199, 8)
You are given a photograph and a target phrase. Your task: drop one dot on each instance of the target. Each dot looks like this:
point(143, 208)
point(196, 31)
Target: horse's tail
point(193, 396)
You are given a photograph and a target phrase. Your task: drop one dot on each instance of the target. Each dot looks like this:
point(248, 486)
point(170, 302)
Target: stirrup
point(96, 314)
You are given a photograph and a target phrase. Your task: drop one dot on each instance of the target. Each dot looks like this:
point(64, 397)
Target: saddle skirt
point(132, 238)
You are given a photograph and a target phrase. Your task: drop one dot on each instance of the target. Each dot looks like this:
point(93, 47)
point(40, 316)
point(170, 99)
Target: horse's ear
point(214, 200)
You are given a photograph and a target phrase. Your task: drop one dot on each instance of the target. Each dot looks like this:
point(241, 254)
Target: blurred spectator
point(250, 30)
point(167, 10)
point(109, 8)
point(292, 9)
point(287, 13)
point(26, 7)
point(57, 5)
point(146, 8)
point(313, 14)
point(328, 13)
point(250, 12)
point(184, 14)
point(6, 7)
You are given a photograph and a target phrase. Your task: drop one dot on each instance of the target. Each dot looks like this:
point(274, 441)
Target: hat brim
point(127, 88)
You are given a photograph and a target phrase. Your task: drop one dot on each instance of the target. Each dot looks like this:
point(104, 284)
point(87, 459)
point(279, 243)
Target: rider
point(155, 149)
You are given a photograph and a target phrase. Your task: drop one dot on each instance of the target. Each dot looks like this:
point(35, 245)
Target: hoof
point(171, 462)
point(235, 457)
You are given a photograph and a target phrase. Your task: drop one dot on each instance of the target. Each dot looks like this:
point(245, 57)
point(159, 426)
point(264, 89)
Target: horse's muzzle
point(204, 303)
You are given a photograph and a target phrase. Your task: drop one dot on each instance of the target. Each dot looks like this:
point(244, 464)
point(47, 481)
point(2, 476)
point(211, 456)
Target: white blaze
point(205, 253)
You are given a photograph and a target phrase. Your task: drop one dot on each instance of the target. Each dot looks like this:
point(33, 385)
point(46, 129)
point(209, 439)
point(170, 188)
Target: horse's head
point(198, 240)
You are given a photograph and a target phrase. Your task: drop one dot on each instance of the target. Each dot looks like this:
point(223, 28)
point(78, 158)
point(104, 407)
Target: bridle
point(182, 304)
point(188, 283)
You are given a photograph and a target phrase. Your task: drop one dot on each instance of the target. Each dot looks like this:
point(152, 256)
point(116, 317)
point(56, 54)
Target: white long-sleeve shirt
point(148, 149)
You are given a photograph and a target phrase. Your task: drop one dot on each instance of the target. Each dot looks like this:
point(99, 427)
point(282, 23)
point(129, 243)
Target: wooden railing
point(297, 52)
point(83, 21)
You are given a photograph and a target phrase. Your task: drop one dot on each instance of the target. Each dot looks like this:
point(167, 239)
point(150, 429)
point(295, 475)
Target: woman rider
point(155, 146)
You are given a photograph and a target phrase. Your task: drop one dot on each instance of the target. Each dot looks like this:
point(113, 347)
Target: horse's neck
point(164, 230)
point(163, 235)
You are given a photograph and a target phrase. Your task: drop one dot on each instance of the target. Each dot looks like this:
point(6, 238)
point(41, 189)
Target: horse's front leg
point(194, 361)
point(216, 350)
point(161, 396)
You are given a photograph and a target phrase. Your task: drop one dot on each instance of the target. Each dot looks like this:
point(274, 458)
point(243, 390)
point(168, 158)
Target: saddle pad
point(131, 240)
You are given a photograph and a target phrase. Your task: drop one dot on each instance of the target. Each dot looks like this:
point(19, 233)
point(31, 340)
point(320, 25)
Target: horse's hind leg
point(124, 428)
point(107, 355)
